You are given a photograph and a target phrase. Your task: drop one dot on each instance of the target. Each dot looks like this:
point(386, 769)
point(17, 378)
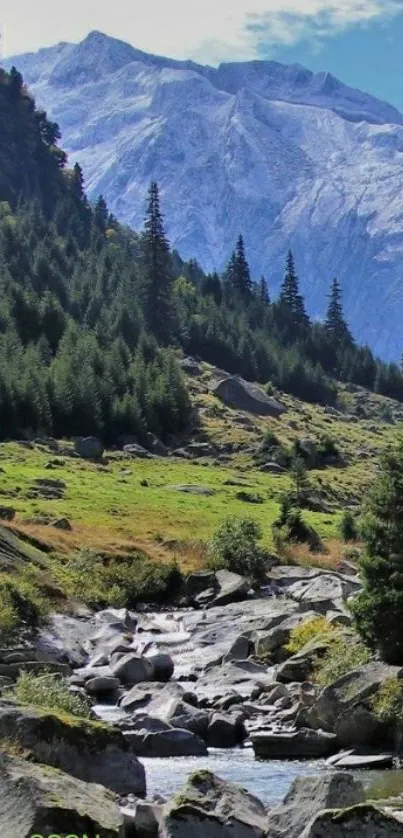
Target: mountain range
point(289, 158)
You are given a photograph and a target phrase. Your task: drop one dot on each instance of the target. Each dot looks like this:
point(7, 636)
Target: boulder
point(271, 644)
point(91, 752)
point(231, 588)
point(102, 685)
point(310, 795)
point(131, 668)
point(240, 649)
point(345, 707)
point(89, 447)
point(324, 590)
point(299, 666)
point(180, 714)
point(293, 744)
point(62, 524)
point(365, 821)
point(246, 678)
point(196, 583)
point(37, 801)
point(163, 666)
point(142, 821)
point(134, 450)
point(242, 395)
point(208, 807)
point(189, 489)
point(357, 762)
point(226, 731)
point(171, 742)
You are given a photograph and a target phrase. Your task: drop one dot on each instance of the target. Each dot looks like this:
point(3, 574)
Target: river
point(269, 780)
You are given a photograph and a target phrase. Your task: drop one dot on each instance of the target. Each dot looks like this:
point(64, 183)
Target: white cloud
point(205, 30)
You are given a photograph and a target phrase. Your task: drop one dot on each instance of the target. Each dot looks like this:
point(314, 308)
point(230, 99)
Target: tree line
point(93, 315)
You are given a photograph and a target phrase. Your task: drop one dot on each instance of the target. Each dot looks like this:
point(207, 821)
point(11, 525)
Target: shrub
point(272, 449)
point(119, 581)
point(22, 606)
point(290, 528)
point(348, 526)
point(49, 691)
point(234, 546)
point(305, 632)
point(387, 704)
point(327, 450)
point(344, 654)
point(378, 609)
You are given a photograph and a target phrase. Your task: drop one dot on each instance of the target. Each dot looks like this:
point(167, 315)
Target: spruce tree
point(335, 324)
point(378, 609)
point(157, 270)
point(264, 295)
point(290, 297)
point(237, 278)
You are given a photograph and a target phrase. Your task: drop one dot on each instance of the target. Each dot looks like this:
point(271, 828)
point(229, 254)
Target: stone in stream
point(91, 752)
point(163, 665)
point(102, 685)
point(226, 731)
point(363, 761)
point(231, 588)
point(132, 669)
point(143, 820)
point(208, 807)
point(171, 742)
point(35, 800)
point(345, 707)
point(308, 796)
point(293, 744)
point(365, 821)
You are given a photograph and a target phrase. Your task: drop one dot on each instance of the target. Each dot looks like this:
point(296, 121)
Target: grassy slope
point(112, 512)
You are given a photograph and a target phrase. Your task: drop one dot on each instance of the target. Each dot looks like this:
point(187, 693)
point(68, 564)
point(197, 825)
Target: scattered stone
point(226, 731)
point(134, 450)
point(89, 447)
point(362, 761)
point(231, 588)
point(208, 807)
point(294, 744)
point(35, 799)
point(102, 685)
point(193, 490)
point(172, 742)
point(132, 669)
point(365, 821)
point(240, 394)
point(7, 513)
point(62, 524)
point(308, 796)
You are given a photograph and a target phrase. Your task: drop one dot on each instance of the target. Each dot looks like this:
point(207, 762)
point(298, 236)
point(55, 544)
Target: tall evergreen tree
point(237, 275)
point(264, 295)
point(158, 279)
point(290, 297)
point(335, 323)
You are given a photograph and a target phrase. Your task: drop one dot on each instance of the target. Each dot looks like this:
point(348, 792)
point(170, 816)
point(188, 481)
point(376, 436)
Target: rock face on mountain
point(286, 156)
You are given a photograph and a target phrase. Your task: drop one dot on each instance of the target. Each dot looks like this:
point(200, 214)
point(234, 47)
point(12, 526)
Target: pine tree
point(290, 297)
point(158, 279)
point(101, 214)
point(335, 324)
point(237, 275)
point(264, 295)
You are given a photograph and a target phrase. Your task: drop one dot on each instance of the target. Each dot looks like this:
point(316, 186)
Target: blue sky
point(360, 41)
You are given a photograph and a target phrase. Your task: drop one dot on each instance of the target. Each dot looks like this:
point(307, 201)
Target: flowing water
point(268, 780)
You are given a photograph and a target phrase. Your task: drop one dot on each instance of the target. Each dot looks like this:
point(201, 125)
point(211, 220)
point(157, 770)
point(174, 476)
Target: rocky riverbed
point(209, 686)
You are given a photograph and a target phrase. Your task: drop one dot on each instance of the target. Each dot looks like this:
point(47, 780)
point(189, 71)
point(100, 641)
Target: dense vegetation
point(378, 609)
point(91, 313)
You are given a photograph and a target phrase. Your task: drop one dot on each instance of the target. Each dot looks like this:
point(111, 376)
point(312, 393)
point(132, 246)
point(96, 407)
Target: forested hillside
point(92, 315)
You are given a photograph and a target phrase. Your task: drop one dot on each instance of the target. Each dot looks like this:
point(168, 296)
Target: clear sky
point(360, 41)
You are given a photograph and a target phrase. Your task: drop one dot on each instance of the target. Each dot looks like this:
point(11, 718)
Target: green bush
point(119, 581)
point(49, 691)
point(348, 526)
point(290, 528)
point(388, 701)
point(327, 450)
point(308, 630)
point(272, 449)
point(22, 606)
point(345, 653)
point(235, 547)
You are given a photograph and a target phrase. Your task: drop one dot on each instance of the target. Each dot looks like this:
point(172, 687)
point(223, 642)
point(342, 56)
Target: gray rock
point(247, 678)
point(272, 468)
point(153, 694)
point(196, 583)
point(62, 524)
point(102, 686)
point(240, 649)
point(226, 731)
point(231, 588)
point(191, 367)
point(208, 807)
point(361, 761)
point(172, 742)
point(163, 666)
point(37, 801)
point(7, 513)
point(310, 795)
point(134, 450)
point(294, 744)
point(142, 821)
point(365, 821)
point(193, 490)
point(240, 394)
point(345, 707)
point(132, 669)
point(91, 752)
point(89, 447)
